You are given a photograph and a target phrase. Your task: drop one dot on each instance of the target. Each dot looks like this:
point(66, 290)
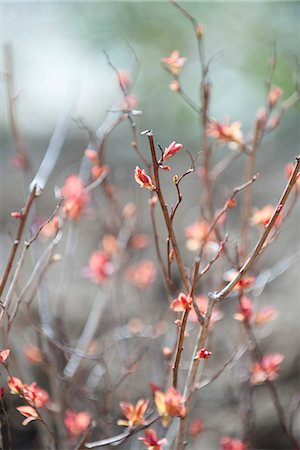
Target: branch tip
point(147, 133)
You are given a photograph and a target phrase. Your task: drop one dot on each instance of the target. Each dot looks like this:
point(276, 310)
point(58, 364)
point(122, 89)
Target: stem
point(164, 209)
point(166, 278)
point(179, 347)
point(217, 297)
point(247, 201)
point(201, 318)
point(190, 383)
point(206, 149)
point(181, 268)
point(22, 221)
point(257, 249)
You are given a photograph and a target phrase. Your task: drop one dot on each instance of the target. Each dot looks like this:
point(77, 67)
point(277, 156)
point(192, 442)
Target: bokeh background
point(58, 48)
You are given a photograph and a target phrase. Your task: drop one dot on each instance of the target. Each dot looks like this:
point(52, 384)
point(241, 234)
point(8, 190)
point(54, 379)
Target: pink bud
point(171, 150)
point(274, 95)
point(16, 215)
point(203, 354)
point(123, 79)
point(164, 167)
point(231, 203)
point(174, 85)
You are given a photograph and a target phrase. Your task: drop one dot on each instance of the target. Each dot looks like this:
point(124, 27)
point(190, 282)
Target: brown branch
point(261, 129)
point(217, 297)
point(166, 276)
point(206, 149)
point(165, 212)
point(247, 200)
point(171, 234)
point(198, 34)
point(122, 436)
point(177, 180)
point(214, 259)
point(134, 143)
point(204, 110)
point(22, 221)
point(223, 211)
point(257, 249)
point(189, 386)
point(183, 322)
point(179, 347)
point(179, 200)
point(196, 276)
point(199, 314)
point(170, 258)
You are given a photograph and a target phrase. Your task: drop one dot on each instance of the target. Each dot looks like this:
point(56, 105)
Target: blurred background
point(59, 45)
point(57, 55)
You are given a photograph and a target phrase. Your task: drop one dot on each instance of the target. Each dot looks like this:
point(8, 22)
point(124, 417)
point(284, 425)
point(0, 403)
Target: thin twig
point(177, 180)
point(22, 221)
point(12, 112)
point(166, 277)
point(134, 143)
point(164, 209)
point(122, 436)
point(214, 259)
point(236, 355)
point(257, 249)
point(247, 200)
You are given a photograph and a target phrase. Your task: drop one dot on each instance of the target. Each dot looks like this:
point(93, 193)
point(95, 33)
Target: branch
point(122, 436)
point(196, 276)
point(217, 297)
point(134, 143)
point(12, 111)
point(177, 180)
point(247, 200)
point(164, 209)
point(185, 314)
point(167, 280)
point(237, 354)
point(22, 221)
point(255, 253)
